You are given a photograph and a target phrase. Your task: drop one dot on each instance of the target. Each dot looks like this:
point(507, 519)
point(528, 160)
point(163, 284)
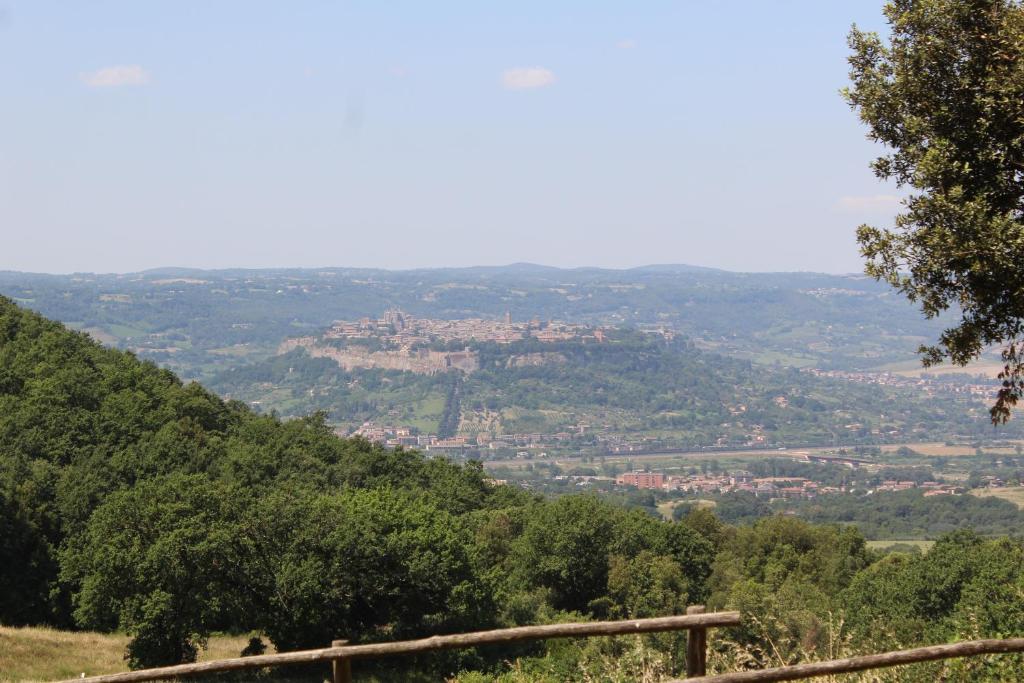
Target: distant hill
point(200, 323)
point(674, 268)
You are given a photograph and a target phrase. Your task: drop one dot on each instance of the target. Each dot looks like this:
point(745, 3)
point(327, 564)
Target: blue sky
point(408, 134)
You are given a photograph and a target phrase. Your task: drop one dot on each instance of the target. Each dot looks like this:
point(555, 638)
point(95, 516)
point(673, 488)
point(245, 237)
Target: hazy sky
point(404, 134)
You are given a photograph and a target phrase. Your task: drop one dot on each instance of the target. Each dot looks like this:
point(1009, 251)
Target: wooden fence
point(931, 653)
point(340, 655)
point(696, 622)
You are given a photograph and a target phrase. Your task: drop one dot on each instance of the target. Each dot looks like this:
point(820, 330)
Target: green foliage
point(909, 514)
point(326, 566)
point(564, 549)
point(27, 562)
point(647, 585)
point(944, 93)
point(783, 574)
point(569, 546)
point(964, 587)
point(155, 562)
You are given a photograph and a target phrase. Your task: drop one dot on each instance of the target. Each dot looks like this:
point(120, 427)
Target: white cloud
point(525, 77)
point(874, 202)
point(627, 44)
point(115, 76)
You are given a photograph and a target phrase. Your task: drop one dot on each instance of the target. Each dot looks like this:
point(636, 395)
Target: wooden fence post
point(696, 646)
point(341, 668)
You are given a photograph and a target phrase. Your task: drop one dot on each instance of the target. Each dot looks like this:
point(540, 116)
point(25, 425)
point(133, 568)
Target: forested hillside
point(133, 501)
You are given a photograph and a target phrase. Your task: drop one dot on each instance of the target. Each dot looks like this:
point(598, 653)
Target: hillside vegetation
point(671, 393)
point(135, 503)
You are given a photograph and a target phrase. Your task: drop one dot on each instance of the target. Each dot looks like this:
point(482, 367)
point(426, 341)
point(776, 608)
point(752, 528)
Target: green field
point(236, 351)
point(427, 413)
point(782, 358)
point(123, 331)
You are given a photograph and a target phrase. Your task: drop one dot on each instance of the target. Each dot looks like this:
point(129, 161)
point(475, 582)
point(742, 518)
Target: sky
point(407, 134)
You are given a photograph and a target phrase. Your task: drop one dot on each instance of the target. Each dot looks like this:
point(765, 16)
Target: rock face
point(421, 361)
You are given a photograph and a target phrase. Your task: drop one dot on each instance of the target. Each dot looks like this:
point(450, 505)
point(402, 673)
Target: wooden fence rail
point(341, 655)
point(931, 653)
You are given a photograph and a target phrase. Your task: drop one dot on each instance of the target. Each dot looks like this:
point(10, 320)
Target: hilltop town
point(398, 341)
point(400, 330)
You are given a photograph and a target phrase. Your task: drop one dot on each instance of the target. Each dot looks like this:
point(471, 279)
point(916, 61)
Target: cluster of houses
point(402, 330)
point(770, 487)
point(926, 385)
point(405, 436)
point(931, 488)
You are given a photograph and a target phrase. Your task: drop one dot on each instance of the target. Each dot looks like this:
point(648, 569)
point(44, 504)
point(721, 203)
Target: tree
point(946, 94)
point(376, 564)
point(156, 561)
point(564, 549)
point(27, 563)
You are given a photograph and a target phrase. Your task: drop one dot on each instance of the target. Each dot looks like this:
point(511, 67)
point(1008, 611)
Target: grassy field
point(669, 460)
point(924, 546)
point(665, 509)
point(988, 366)
point(780, 358)
point(124, 331)
point(1014, 494)
point(43, 654)
point(940, 449)
point(427, 413)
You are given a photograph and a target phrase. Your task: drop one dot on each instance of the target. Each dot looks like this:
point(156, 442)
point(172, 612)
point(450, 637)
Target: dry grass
point(988, 366)
point(688, 459)
point(44, 654)
point(923, 546)
point(1014, 494)
point(938, 448)
point(666, 508)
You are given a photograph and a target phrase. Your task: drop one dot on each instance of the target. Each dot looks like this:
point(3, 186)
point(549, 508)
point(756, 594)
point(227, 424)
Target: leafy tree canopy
point(946, 94)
